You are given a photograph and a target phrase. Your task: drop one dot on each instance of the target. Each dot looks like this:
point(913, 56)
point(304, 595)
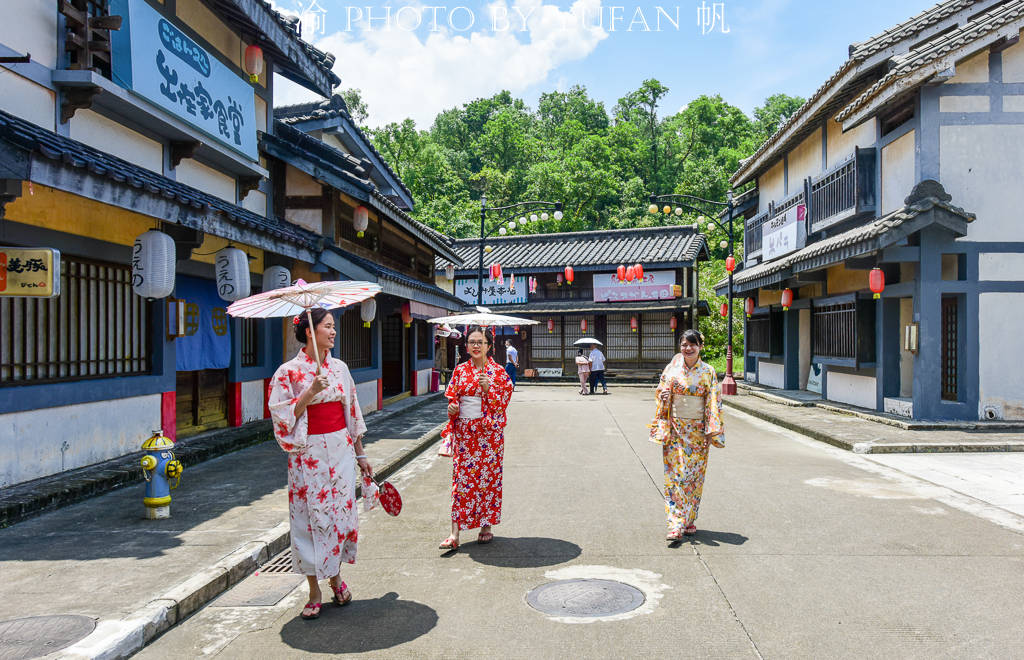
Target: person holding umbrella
point(478, 395)
point(318, 421)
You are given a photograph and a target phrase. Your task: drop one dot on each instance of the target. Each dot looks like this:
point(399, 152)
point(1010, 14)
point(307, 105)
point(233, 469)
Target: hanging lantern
point(406, 314)
point(876, 279)
point(276, 277)
point(638, 271)
point(653, 208)
point(568, 274)
point(551, 325)
point(491, 270)
point(666, 209)
point(449, 272)
point(633, 323)
point(497, 272)
point(367, 311)
point(232, 267)
point(512, 282)
point(360, 220)
point(583, 325)
point(254, 62)
point(630, 273)
point(620, 272)
point(516, 328)
point(787, 299)
point(730, 263)
point(153, 262)
point(673, 323)
point(748, 306)
point(724, 311)
point(558, 278)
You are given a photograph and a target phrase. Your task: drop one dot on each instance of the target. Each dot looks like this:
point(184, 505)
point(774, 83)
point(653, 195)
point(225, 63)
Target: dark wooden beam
point(303, 202)
point(861, 263)
point(74, 99)
point(182, 149)
point(246, 184)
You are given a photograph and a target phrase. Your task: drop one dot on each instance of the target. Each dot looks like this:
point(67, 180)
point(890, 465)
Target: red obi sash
point(325, 417)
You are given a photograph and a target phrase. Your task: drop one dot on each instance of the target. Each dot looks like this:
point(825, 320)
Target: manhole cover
point(36, 636)
point(585, 598)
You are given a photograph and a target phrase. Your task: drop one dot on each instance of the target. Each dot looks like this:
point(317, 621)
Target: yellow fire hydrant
point(158, 467)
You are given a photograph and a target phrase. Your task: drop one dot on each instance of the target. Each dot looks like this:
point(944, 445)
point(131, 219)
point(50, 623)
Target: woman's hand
point(318, 385)
point(453, 408)
point(365, 468)
point(485, 381)
point(664, 395)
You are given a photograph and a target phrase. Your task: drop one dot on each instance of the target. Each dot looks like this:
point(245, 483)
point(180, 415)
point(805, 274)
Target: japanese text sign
point(494, 293)
point(159, 62)
point(784, 233)
point(656, 285)
point(33, 272)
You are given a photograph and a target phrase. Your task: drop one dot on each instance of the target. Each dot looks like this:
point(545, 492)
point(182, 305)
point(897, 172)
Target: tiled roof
point(587, 249)
point(331, 108)
point(585, 306)
point(908, 28)
point(33, 138)
point(395, 276)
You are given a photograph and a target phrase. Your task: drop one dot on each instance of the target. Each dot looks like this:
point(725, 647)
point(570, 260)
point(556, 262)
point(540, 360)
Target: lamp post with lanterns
point(686, 202)
point(536, 211)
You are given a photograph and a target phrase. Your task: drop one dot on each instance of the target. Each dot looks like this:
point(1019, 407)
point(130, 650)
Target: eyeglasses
point(475, 343)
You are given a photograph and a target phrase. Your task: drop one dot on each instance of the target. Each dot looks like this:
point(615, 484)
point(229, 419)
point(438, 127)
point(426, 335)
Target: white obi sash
point(471, 407)
point(687, 407)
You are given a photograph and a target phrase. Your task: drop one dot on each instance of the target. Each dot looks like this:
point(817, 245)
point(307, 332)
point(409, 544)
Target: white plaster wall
point(972, 70)
point(1000, 267)
point(252, 400)
point(311, 219)
point(207, 179)
point(261, 113)
point(771, 374)
point(805, 160)
point(771, 186)
point(442, 282)
point(367, 393)
point(256, 202)
point(1013, 64)
point(298, 182)
point(980, 167)
point(23, 98)
point(31, 27)
point(1001, 384)
point(840, 145)
point(334, 142)
point(964, 104)
point(107, 135)
point(31, 441)
point(898, 175)
point(906, 357)
point(1013, 103)
point(853, 389)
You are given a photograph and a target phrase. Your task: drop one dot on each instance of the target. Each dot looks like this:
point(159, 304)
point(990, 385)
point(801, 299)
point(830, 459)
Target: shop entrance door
point(201, 401)
point(392, 353)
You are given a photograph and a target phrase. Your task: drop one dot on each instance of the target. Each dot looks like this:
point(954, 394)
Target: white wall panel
point(853, 389)
point(771, 374)
point(367, 393)
point(1001, 386)
point(252, 400)
point(23, 98)
point(107, 135)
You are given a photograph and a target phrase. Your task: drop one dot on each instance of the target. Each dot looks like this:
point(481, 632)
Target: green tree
point(357, 107)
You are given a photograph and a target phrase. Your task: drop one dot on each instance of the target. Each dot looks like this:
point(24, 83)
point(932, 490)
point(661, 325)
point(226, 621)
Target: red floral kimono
point(479, 445)
point(321, 466)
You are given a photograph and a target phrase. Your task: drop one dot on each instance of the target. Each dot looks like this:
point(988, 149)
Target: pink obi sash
point(325, 417)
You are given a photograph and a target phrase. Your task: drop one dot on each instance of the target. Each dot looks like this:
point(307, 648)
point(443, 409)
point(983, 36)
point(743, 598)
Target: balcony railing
point(847, 191)
point(752, 235)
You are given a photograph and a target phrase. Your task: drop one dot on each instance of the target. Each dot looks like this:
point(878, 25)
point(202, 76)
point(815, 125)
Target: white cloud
point(406, 74)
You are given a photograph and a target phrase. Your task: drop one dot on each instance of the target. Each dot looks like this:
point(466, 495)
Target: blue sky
point(416, 58)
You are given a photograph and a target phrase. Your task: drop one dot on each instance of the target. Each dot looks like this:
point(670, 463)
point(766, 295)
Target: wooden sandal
point(314, 611)
point(690, 530)
point(449, 544)
point(342, 595)
point(484, 537)
point(672, 537)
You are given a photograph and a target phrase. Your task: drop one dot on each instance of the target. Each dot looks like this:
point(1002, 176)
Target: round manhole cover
point(36, 636)
point(585, 598)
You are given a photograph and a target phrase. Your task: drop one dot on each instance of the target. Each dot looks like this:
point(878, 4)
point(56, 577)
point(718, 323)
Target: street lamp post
point(685, 202)
point(531, 207)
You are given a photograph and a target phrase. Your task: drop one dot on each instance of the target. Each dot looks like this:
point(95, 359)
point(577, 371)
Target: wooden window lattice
point(546, 346)
point(423, 339)
point(834, 331)
point(87, 34)
point(354, 340)
point(659, 340)
point(623, 344)
point(950, 353)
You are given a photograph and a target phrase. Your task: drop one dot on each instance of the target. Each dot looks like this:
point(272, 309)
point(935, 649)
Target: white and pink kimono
point(321, 462)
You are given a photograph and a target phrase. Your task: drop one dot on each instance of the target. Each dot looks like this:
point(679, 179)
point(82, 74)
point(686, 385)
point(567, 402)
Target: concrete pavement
point(804, 550)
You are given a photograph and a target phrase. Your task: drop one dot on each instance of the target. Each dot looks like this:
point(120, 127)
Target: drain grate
point(585, 598)
point(282, 563)
point(259, 591)
point(36, 636)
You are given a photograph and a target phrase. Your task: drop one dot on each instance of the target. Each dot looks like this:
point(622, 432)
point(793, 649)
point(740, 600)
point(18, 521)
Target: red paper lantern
point(876, 279)
point(638, 271)
point(568, 274)
point(630, 273)
point(632, 323)
point(254, 62)
point(673, 323)
point(497, 272)
point(406, 314)
point(551, 325)
point(730, 263)
point(787, 298)
point(725, 310)
point(748, 306)
point(583, 325)
point(517, 329)
point(621, 273)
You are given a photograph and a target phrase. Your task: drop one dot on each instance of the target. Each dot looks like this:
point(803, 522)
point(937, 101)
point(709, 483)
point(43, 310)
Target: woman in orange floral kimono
point(478, 394)
point(687, 419)
point(317, 420)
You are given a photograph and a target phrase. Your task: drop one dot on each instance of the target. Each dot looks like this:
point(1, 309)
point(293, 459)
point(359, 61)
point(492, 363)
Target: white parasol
point(302, 297)
point(483, 317)
point(586, 340)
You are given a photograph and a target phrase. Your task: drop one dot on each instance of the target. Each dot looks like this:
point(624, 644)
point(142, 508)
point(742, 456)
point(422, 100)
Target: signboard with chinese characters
point(656, 285)
point(784, 233)
point(159, 62)
point(494, 292)
point(29, 272)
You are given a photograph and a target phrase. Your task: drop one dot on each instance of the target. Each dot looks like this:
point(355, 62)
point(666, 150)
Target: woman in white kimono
point(317, 420)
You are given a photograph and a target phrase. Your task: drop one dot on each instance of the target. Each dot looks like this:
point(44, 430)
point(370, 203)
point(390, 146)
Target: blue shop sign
point(159, 62)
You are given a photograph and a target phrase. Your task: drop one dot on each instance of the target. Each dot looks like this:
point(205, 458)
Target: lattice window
point(251, 332)
point(87, 36)
point(546, 346)
point(573, 332)
point(354, 340)
point(623, 344)
point(423, 339)
point(950, 352)
point(834, 331)
point(96, 328)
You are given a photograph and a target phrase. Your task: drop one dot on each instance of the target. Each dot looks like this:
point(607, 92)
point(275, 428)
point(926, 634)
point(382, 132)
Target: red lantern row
point(630, 273)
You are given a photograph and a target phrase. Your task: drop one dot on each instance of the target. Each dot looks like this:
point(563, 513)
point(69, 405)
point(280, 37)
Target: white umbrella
point(302, 297)
point(482, 317)
point(586, 340)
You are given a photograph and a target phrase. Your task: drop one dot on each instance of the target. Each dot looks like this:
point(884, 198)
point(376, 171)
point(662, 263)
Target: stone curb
point(115, 639)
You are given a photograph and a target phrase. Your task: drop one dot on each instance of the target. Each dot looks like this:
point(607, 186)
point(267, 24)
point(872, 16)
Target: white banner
point(656, 285)
point(784, 233)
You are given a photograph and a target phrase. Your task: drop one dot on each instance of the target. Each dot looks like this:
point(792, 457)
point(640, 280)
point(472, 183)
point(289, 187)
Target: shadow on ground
point(521, 552)
point(707, 537)
point(362, 625)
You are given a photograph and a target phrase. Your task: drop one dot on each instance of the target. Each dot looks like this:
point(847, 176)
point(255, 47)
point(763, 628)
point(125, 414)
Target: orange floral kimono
point(685, 441)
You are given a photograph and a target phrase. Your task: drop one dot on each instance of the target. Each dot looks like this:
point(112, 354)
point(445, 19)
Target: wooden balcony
point(752, 235)
point(846, 191)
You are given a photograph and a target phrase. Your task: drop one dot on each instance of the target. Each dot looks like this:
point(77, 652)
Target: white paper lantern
point(360, 220)
point(232, 274)
point(449, 272)
point(153, 261)
point(367, 311)
point(276, 277)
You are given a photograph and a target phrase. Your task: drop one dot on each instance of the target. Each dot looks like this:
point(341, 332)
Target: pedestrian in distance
point(597, 370)
point(688, 418)
point(317, 420)
point(478, 394)
point(582, 369)
point(511, 361)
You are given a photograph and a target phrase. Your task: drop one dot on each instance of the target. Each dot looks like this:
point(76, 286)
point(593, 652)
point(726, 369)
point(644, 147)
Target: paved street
point(804, 550)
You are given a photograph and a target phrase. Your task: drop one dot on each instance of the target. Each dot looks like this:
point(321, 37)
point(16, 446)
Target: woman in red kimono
point(478, 394)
